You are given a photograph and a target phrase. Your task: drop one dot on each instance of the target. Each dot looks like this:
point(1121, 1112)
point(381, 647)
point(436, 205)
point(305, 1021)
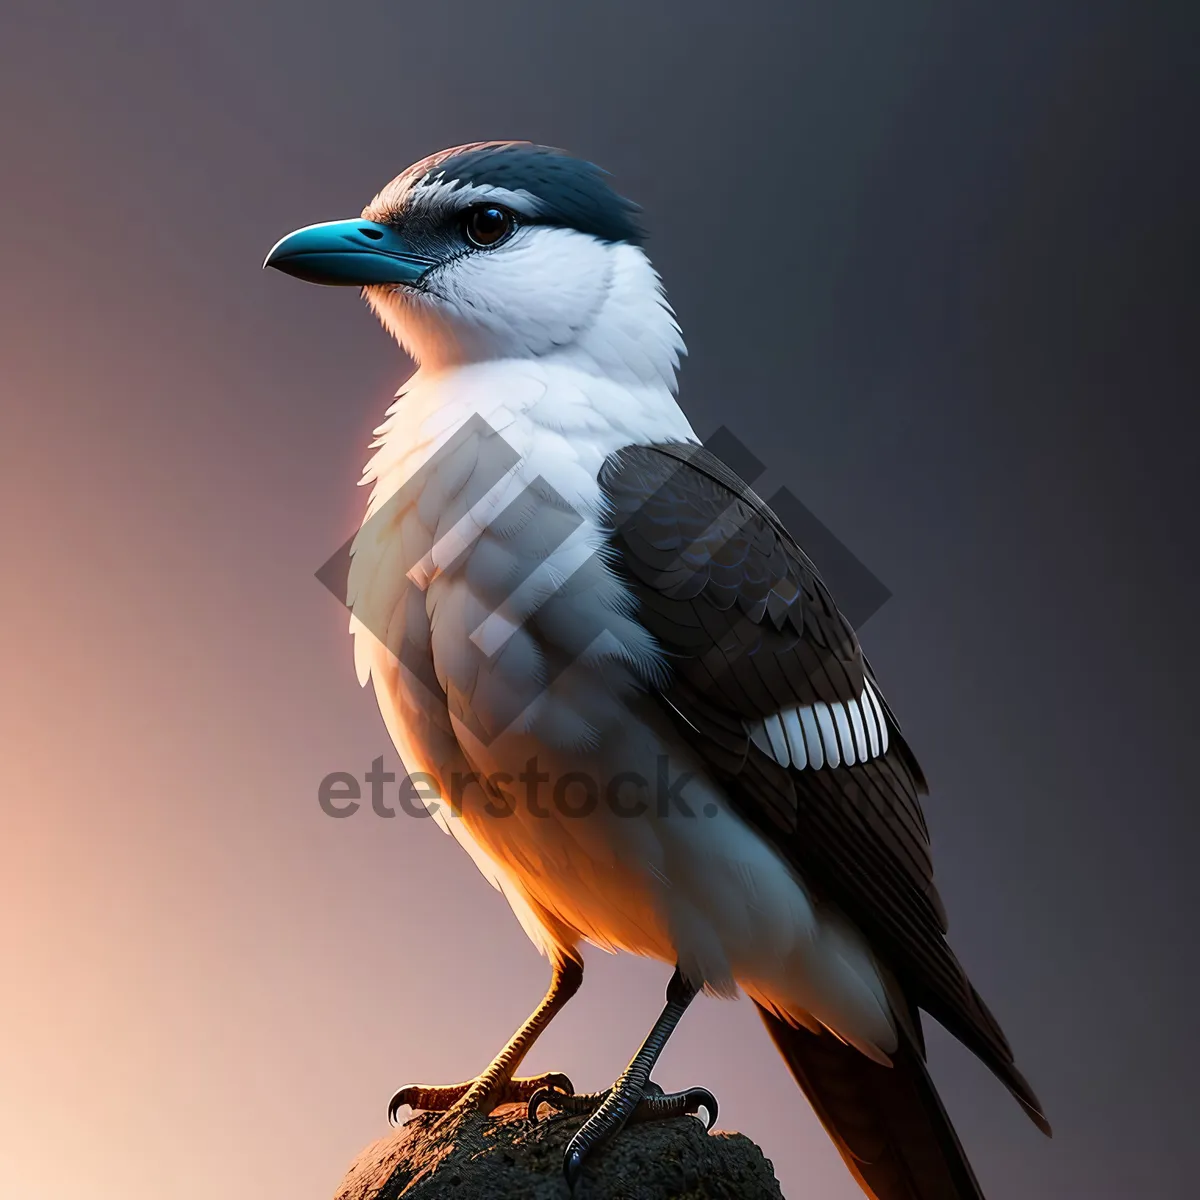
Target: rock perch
point(504, 1157)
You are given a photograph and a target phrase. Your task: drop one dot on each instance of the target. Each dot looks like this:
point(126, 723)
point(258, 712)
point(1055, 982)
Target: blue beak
point(349, 254)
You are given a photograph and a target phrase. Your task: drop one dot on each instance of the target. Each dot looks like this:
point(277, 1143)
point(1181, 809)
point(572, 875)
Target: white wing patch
point(812, 736)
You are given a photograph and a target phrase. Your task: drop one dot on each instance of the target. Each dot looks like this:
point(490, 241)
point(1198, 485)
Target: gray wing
point(770, 686)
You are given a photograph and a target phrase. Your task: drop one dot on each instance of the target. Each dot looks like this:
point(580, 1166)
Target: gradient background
point(933, 267)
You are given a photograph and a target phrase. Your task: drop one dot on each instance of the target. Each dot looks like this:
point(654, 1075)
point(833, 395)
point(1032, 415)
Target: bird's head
point(495, 250)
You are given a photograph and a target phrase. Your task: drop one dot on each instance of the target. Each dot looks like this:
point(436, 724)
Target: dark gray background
point(935, 265)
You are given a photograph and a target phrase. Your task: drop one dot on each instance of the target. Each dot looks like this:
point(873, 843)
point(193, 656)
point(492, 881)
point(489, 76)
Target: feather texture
point(850, 824)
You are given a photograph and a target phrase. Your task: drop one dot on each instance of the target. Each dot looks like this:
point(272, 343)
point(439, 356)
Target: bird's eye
point(488, 226)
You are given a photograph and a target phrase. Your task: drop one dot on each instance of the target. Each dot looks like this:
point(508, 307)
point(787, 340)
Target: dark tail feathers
point(888, 1122)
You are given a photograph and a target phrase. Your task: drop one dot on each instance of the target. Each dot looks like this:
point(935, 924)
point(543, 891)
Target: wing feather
point(770, 686)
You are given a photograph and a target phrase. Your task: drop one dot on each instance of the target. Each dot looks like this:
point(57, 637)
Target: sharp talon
point(611, 1110)
point(563, 1099)
point(657, 1105)
point(540, 1097)
point(404, 1096)
point(701, 1098)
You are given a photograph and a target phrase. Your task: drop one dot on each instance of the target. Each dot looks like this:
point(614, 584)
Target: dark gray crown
point(570, 192)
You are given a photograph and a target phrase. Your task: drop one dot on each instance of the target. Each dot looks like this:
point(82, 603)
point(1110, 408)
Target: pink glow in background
point(209, 988)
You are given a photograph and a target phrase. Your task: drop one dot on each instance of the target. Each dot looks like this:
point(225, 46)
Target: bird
point(619, 682)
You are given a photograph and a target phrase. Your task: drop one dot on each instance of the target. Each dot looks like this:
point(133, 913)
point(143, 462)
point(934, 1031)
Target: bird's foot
point(629, 1100)
point(476, 1095)
point(654, 1105)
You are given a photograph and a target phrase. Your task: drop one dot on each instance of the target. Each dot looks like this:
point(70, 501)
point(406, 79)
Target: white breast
point(561, 421)
point(706, 892)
